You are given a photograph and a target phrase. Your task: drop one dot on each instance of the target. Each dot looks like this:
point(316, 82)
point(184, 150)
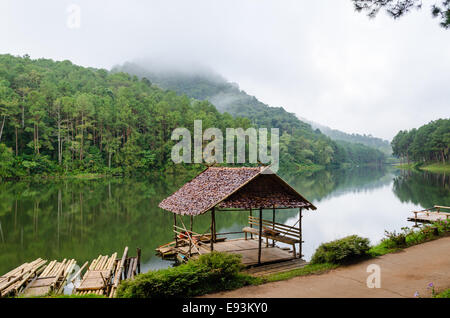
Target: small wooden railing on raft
point(435, 210)
point(275, 232)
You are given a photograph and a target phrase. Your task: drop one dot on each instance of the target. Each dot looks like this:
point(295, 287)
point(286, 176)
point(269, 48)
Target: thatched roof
point(243, 188)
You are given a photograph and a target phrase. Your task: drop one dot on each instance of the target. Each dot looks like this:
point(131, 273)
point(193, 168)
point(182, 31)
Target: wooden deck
point(248, 249)
point(275, 268)
point(431, 215)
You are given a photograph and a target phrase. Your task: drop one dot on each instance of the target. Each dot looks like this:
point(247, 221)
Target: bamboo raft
point(98, 276)
point(105, 273)
point(101, 278)
point(51, 280)
point(12, 282)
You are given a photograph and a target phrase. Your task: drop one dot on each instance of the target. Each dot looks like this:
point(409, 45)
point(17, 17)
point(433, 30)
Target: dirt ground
point(402, 274)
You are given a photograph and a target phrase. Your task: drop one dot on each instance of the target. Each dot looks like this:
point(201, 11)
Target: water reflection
point(81, 219)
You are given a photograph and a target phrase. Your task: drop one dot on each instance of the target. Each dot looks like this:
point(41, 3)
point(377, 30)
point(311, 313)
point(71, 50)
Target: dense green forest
point(429, 143)
point(60, 118)
point(368, 140)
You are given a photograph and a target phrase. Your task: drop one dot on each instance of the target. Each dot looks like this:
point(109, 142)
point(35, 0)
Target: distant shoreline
point(432, 167)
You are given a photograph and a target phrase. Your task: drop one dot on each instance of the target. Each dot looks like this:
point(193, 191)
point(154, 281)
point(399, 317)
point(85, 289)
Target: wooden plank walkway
point(248, 249)
point(430, 217)
point(274, 268)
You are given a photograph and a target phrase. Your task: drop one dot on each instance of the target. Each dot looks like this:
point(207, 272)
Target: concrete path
point(402, 274)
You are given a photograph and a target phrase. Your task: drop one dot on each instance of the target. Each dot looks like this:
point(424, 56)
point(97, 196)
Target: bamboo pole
point(65, 275)
point(175, 224)
point(119, 273)
point(138, 253)
point(273, 226)
point(78, 272)
point(21, 279)
point(211, 241)
point(251, 225)
point(260, 236)
point(300, 234)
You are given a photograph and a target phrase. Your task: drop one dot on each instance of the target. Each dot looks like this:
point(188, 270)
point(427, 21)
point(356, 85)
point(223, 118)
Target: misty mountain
point(368, 140)
point(301, 144)
point(202, 83)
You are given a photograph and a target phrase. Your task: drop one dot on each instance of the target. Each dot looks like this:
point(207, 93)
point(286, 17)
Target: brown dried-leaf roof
point(234, 188)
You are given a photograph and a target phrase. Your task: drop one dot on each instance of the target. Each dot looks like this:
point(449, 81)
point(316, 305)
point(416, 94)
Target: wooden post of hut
point(273, 226)
point(300, 233)
point(251, 225)
point(260, 236)
point(213, 234)
point(174, 229)
point(138, 259)
point(212, 238)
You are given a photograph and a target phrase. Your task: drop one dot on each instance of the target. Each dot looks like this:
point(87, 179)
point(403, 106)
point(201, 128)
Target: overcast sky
point(319, 58)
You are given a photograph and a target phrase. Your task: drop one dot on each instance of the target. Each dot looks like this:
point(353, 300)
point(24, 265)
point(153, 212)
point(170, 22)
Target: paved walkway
point(402, 274)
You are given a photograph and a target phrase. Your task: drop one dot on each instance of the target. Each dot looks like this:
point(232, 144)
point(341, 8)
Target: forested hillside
point(60, 118)
point(368, 140)
point(429, 143)
point(301, 145)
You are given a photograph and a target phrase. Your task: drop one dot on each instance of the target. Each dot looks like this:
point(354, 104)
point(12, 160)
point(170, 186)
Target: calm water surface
point(84, 218)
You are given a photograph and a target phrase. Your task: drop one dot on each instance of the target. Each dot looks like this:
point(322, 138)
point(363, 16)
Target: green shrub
point(444, 294)
point(210, 272)
point(396, 240)
point(341, 251)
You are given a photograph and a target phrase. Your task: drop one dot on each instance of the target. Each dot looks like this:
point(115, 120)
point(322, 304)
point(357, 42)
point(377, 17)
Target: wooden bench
point(274, 231)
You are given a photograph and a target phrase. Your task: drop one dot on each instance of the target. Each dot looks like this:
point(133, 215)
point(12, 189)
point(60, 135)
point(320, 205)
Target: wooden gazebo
point(235, 189)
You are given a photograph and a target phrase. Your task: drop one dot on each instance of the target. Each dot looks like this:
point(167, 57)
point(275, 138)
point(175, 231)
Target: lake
point(79, 218)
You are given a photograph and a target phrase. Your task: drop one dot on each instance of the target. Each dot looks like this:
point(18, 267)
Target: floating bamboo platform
point(52, 279)
point(275, 268)
point(98, 276)
point(431, 215)
point(105, 273)
point(247, 248)
point(102, 277)
point(12, 282)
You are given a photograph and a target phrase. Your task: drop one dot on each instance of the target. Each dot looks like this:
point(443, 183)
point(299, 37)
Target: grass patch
point(444, 294)
point(309, 269)
point(405, 166)
point(436, 167)
point(394, 241)
point(432, 167)
point(382, 249)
